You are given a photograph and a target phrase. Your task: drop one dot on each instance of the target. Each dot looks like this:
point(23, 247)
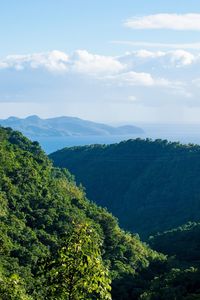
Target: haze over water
point(187, 133)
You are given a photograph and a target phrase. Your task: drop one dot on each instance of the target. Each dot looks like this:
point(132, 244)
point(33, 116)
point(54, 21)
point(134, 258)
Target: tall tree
point(78, 271)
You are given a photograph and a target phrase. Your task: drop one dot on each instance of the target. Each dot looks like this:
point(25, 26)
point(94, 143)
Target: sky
point(123, 61)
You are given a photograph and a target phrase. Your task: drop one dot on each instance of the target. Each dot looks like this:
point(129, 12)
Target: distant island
point(34, 126)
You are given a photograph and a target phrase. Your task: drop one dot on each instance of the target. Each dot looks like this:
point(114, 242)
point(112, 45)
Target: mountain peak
point(33, 118)
point(35, 127)
point(12, 118)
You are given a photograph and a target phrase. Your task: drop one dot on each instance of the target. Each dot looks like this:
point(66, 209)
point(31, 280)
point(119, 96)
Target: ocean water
point(179, 133)
point(51, 144)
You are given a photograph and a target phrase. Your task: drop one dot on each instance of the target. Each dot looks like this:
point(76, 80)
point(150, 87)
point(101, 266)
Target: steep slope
point(183, 245)
point(34, 127)
point(182, 242)
point(149, 185)
point(45, 217)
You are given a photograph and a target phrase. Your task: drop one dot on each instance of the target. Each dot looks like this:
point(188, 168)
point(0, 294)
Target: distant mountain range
point(33, 126)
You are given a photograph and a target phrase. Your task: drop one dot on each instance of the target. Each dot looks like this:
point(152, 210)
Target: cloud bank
point(137, 67)
point(151, 78)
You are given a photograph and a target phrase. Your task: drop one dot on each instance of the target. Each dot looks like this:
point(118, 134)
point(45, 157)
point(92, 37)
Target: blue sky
point(37, 26)
point(112, 61)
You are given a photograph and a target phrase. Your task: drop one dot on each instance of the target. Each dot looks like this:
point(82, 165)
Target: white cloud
point(180, 58)
point(145, 54)
point(55, 61)
point(83, 62)
point(189, 21)
point(138, 79)
point(163, 70)
point(101, 84)
point(92, 64)
point(160, 59)
point(80, 61)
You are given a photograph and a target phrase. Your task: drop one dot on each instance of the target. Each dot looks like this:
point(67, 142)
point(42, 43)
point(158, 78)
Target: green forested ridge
point(54, 243)
point(151, 186)
point(182, 242)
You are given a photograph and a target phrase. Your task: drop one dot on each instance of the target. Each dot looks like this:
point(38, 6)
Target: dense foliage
point(182, 242)
point(151, 186)
point(54, 243)
point(182, 282)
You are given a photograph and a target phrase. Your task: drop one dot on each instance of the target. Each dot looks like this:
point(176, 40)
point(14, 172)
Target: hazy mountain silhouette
point(34, 126)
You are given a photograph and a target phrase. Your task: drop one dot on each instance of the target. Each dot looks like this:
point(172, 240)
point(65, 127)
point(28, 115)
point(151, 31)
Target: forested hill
point(54, 243)
point(35, 127)
point(149, 185)
point(183, 242)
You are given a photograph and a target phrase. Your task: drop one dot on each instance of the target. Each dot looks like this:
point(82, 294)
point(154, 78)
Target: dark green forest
point(173, 243)
point(56, 244)
point(151, 186)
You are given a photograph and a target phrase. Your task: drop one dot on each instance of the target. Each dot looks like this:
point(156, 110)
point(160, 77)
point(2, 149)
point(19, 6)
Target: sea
point(187, 133)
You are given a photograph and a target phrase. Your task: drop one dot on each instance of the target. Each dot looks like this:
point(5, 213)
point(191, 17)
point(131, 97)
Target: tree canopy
point(56, 244)
point(50, 231)
point(151, 186)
